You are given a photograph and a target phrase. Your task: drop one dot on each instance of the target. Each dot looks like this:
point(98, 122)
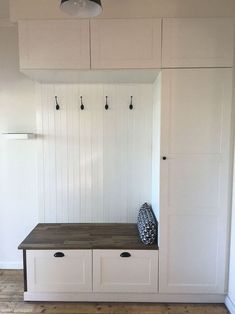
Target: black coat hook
point(131, 104)
point(106, 105)
point(57, 107)
point(82, 105)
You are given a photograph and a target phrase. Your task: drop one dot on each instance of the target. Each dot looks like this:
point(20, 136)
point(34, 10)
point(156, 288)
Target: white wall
point(4, 9)
point(18, 190)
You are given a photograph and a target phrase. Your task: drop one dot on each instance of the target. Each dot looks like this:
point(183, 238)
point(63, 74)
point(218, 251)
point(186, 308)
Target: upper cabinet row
point(125, 43)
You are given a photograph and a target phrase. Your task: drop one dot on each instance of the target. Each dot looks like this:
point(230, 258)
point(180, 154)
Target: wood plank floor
point(11, 301)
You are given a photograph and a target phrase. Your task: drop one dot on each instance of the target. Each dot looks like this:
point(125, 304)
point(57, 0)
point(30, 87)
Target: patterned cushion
point(147, 225)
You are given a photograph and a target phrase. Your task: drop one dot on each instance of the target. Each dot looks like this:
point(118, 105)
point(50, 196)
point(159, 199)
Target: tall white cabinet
point(194, 188)
point(230, 300)
point(195, 170)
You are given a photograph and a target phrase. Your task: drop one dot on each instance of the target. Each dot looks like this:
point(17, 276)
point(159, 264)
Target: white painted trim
point(11, 265)
point(6, 23)
point(125, 297)
point(230, 305)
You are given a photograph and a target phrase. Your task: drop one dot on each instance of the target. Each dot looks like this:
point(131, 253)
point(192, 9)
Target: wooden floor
point(11, 301)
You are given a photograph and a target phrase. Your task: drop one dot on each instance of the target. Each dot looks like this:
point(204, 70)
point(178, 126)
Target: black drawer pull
point(59, 254)
point(125, 254)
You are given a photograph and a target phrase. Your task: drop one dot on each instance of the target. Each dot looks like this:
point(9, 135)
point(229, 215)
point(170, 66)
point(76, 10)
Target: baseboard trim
point(124, 297)
point(230, 305)
point(11, 265)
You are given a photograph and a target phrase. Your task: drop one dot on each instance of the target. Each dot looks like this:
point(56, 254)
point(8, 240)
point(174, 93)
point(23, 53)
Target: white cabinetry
point(138, 272)
point(65, 44)
point(51, 44)
point(195, 180)
point(230, 301)
point(125, 43)
point(69, 273)
point(197, 43)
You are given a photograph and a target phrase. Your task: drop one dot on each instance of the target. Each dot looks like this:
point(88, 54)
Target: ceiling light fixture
point(81, 8)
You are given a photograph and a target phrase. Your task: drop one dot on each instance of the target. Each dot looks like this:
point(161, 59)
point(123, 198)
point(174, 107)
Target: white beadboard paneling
point(95, 163)
point(139, 149)
point(97, 101)
point(48, 149)
point(85, 151)
point(61, 156)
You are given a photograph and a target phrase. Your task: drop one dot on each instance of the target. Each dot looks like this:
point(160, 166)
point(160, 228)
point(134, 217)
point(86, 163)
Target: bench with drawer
point(87, 262)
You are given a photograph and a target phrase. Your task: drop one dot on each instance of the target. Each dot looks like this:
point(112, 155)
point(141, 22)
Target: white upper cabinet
point(51, 44)
point(125, 43)
point(197, 43)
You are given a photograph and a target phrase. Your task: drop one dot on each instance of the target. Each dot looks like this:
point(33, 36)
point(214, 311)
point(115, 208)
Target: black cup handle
point(125, 254)
point(59, 254)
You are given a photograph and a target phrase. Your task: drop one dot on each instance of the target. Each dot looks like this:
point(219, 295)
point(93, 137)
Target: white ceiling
point(49, 9)
point(4, 9)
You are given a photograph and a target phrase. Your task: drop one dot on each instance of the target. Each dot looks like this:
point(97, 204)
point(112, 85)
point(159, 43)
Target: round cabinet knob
point(164, 157)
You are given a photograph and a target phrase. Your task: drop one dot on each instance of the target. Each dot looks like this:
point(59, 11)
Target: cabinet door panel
point(113, 273)
point(126, 43)
point(52, 44)
point(197, 42)
point(195, 180)
point(71, 273)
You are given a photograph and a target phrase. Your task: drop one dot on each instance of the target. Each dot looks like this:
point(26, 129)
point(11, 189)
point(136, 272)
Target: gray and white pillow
point(147, 225)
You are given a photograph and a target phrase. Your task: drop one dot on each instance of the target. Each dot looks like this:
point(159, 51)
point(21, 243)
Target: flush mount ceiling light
point(81, 8)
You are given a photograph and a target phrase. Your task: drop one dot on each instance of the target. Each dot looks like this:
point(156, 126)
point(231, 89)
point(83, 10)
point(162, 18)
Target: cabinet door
point(114, 273)
point(125, 43)
point(231, 288)
point(70, 273)
point(195, 180)
point(197, 43)
point(54, 44)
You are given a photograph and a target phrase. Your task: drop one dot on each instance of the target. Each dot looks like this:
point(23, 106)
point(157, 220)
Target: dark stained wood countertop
point(85, 236)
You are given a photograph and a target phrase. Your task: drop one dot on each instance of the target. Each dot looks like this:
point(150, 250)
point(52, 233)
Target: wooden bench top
point(85, 236)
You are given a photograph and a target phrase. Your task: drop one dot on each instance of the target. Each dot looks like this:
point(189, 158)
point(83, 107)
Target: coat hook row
point(82, 107)
point(131, 106)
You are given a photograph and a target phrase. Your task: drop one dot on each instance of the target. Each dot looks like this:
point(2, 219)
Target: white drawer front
point(71, 273)
point(113, 273)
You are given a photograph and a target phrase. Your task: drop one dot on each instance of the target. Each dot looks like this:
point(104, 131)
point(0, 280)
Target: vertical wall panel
point(61, 156)
point(110, 181)
point(49, 153)
point(96, 163)
point(97, 102)
point(73, 192)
